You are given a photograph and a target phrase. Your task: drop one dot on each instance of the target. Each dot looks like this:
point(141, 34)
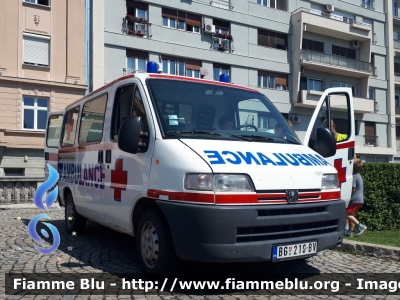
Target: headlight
point(219, 183)
point(202, 182)
point(329, 182)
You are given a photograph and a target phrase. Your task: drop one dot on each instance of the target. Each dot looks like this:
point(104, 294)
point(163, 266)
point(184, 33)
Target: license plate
point(286, 252)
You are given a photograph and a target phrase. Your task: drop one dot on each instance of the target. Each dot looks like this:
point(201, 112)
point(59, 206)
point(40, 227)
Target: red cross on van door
point(341, 171)
point(119, 179)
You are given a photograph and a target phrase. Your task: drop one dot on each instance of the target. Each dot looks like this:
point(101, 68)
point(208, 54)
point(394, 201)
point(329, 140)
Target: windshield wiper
point(192, 131)
point(243, 137)
point(257, 137)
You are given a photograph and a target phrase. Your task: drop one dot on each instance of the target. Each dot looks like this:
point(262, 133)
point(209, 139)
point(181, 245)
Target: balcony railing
point(129, 71)
point(226, 4)
point(371, 140)
point(137, 27)
point(337, 61)
point(396, 44)
point(222, 45)
point(397, 77)
point(328, 16)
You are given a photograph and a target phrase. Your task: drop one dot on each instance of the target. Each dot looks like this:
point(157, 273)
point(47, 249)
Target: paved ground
point(100, 250)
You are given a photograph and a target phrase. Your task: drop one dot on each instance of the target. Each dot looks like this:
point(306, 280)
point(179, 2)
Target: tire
point(78, 222)
point(154, 244)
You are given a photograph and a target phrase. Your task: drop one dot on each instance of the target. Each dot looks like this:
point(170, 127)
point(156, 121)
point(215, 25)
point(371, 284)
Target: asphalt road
point(101, 251)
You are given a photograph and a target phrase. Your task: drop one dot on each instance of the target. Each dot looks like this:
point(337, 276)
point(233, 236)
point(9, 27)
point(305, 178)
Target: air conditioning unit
point(329, 8)
point(295, 118)
point(209, 28)
point(355, 44)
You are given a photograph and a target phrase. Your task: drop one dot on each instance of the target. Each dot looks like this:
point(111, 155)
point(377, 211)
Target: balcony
point(222, 45)
point(331, 25)
point(396, 20)
point(137, 27)
point(310, 99)
point(368, 4)
point(371, 141)
point(225, 4)
point(336, 64)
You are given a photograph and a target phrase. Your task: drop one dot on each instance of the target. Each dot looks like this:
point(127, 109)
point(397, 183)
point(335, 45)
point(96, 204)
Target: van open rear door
point(335, 111)
point(52, 141)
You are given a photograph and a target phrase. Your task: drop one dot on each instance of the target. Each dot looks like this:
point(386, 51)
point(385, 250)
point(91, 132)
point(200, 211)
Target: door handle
point(100, 157)
point(108, 156)
point(350, 154)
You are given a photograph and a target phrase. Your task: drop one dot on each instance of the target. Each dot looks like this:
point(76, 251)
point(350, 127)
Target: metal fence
point(138, 28)
point(371, 140)
point(222, 45)
point(227, 4)
point(336, 60)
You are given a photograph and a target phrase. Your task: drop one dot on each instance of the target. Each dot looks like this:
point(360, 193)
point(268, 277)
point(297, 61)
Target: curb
point(371, 249)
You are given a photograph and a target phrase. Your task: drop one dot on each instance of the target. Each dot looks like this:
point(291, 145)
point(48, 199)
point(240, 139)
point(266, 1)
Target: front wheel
point(154, 244)
point(73, 220)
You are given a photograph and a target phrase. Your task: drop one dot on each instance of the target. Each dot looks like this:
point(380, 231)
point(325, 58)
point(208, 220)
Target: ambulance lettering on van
point(146, 155)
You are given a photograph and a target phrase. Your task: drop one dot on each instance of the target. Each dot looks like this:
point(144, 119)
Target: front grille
point(291, 211)
point(274, 195)
point(277, 232)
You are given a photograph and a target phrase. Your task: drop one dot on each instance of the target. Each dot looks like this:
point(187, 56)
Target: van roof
point(166, 76)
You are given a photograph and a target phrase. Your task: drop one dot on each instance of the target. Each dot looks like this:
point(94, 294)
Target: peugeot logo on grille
point(292, 196)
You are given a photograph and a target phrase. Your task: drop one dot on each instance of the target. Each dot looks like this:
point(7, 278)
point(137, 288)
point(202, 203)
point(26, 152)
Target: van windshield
point(198, 110)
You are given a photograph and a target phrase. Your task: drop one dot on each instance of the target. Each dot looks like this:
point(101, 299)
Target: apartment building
point(290, 50)
point(42, 69)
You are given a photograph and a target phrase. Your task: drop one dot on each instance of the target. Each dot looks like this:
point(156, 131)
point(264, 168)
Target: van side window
point(92, 120)
point(54, 131)
point(123, 106)
point(128, 102)
point(69, 133)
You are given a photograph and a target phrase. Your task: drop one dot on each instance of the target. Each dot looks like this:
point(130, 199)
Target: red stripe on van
point(53, 156)
point(176, 77)
point(243, 199)
point(345, 145)
point(274, 198)
point(182, 196)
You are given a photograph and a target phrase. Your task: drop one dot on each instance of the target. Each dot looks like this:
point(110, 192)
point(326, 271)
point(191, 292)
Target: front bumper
point(212, 233)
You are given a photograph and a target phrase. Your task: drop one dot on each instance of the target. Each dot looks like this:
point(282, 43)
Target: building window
point(314, 84)
point(396, 100)
point(313, 45)
point(341, 84)
point(272, 39)
point(394, 9)
point(342, 16)
point(35, 113)
point(367, 3)
point(277, 4)
point(272, 80)
point(370, 135)
point(345, 52)
point(36, 49)
point(181, 66)
point(219, 69)
point(371, 93)
point(14, 171)
point(221, 26)
point(135, 60)
point(181, 20)
point(40, 2)
point(69, 131)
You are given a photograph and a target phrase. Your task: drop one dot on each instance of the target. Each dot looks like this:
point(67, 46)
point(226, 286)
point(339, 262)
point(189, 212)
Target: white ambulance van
point(203, 170)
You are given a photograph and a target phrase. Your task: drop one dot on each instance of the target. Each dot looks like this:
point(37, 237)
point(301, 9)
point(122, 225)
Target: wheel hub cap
point(149, 244)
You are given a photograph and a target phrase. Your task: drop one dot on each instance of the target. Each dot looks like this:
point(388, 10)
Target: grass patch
point(388, 238)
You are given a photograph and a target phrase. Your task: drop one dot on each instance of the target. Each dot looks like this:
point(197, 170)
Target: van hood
point(271, 166)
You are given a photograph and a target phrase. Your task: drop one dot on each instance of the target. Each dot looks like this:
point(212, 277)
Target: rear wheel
point(73, 220)
point(154, 244)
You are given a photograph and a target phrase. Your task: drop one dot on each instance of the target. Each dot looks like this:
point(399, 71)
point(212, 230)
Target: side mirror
point(326, 145)
point(129, 135)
